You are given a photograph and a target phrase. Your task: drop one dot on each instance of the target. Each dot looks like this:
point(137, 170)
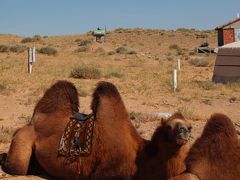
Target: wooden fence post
point(178, 64)
point(174, 80)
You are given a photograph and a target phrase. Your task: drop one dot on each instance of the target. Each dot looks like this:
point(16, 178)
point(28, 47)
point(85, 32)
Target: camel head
point(177, 129)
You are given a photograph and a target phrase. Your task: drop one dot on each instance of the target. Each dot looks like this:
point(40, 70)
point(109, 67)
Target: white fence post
point(30, 60)
point(33, 54)
point(174, 80)
point(178, 65)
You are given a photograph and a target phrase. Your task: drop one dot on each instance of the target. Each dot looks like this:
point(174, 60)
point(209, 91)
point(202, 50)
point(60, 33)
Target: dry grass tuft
point(6, 134)
point(86, 72)
point(189, 113)
point(199, 62)
point(48, 50)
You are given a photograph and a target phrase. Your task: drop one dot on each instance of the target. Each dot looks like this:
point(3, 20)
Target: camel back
point(61, 96)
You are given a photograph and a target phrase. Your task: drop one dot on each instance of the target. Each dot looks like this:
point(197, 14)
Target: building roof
point(231, 45)
point(228, 23)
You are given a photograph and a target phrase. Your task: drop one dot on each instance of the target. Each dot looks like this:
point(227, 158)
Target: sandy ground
point(144, 88)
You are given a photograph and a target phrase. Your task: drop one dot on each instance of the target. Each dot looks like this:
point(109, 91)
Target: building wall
point(237, 35)
point(235, 25)
point(228, 36)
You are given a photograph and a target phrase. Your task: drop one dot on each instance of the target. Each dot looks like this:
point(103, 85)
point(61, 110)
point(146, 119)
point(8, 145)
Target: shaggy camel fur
point(115, 141)
point(163, 156)
point(216, 154)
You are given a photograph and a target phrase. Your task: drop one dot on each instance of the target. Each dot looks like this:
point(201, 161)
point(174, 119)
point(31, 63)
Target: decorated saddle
point(77, 136)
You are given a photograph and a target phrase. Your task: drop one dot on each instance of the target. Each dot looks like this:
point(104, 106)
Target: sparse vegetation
point(2, 87)
point(83, 42)
point(201, 36)
point(48, 50)
point(27, 40)
point(174, 46)
point(232, 99)
point(111, 53)
point(132, 52)
point(207, 101)
point(189, 113)
point(206, 85)
point(4, 48)
point(86, 72)
point(82, 49)
point(18, 48)
point(35, 38)
point(116, 74)
point(6, 134)
point(15, 49)
point(233, 86)
point(100, 51)
point(121, 50)
point(199, 62)
point(25, 119)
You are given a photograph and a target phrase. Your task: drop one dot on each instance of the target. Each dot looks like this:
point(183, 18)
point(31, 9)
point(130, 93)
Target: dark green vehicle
point(99, 34)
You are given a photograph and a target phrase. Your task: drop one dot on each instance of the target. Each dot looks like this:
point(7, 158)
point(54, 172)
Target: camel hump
point(61, 96)
point(104, 89)
point(219, 123)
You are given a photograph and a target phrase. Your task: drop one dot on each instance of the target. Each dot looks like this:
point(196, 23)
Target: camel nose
point(182, 129)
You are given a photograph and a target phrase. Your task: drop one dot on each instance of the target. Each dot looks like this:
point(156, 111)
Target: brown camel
point(163, 156)
point(115, 142)
point(114, 145)
point(216, 154)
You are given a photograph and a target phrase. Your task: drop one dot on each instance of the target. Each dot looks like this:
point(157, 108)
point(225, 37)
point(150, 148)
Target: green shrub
point(27, 40)
point(121, 50)
point(18, 48)
point(4, 48)
point(31, 39)
point(86, 72)
point(174, 46)
point(36, 38)
point(199, 62)
point(48, 50)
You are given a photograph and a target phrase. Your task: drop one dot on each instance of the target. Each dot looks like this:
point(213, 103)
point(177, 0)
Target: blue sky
point(59, 17)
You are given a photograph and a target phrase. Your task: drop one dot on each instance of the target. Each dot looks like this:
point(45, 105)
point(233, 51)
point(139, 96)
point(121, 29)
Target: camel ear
point(163, 120)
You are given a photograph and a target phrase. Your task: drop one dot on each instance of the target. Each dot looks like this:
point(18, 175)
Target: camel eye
point(189, 128)
point(168, 127)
